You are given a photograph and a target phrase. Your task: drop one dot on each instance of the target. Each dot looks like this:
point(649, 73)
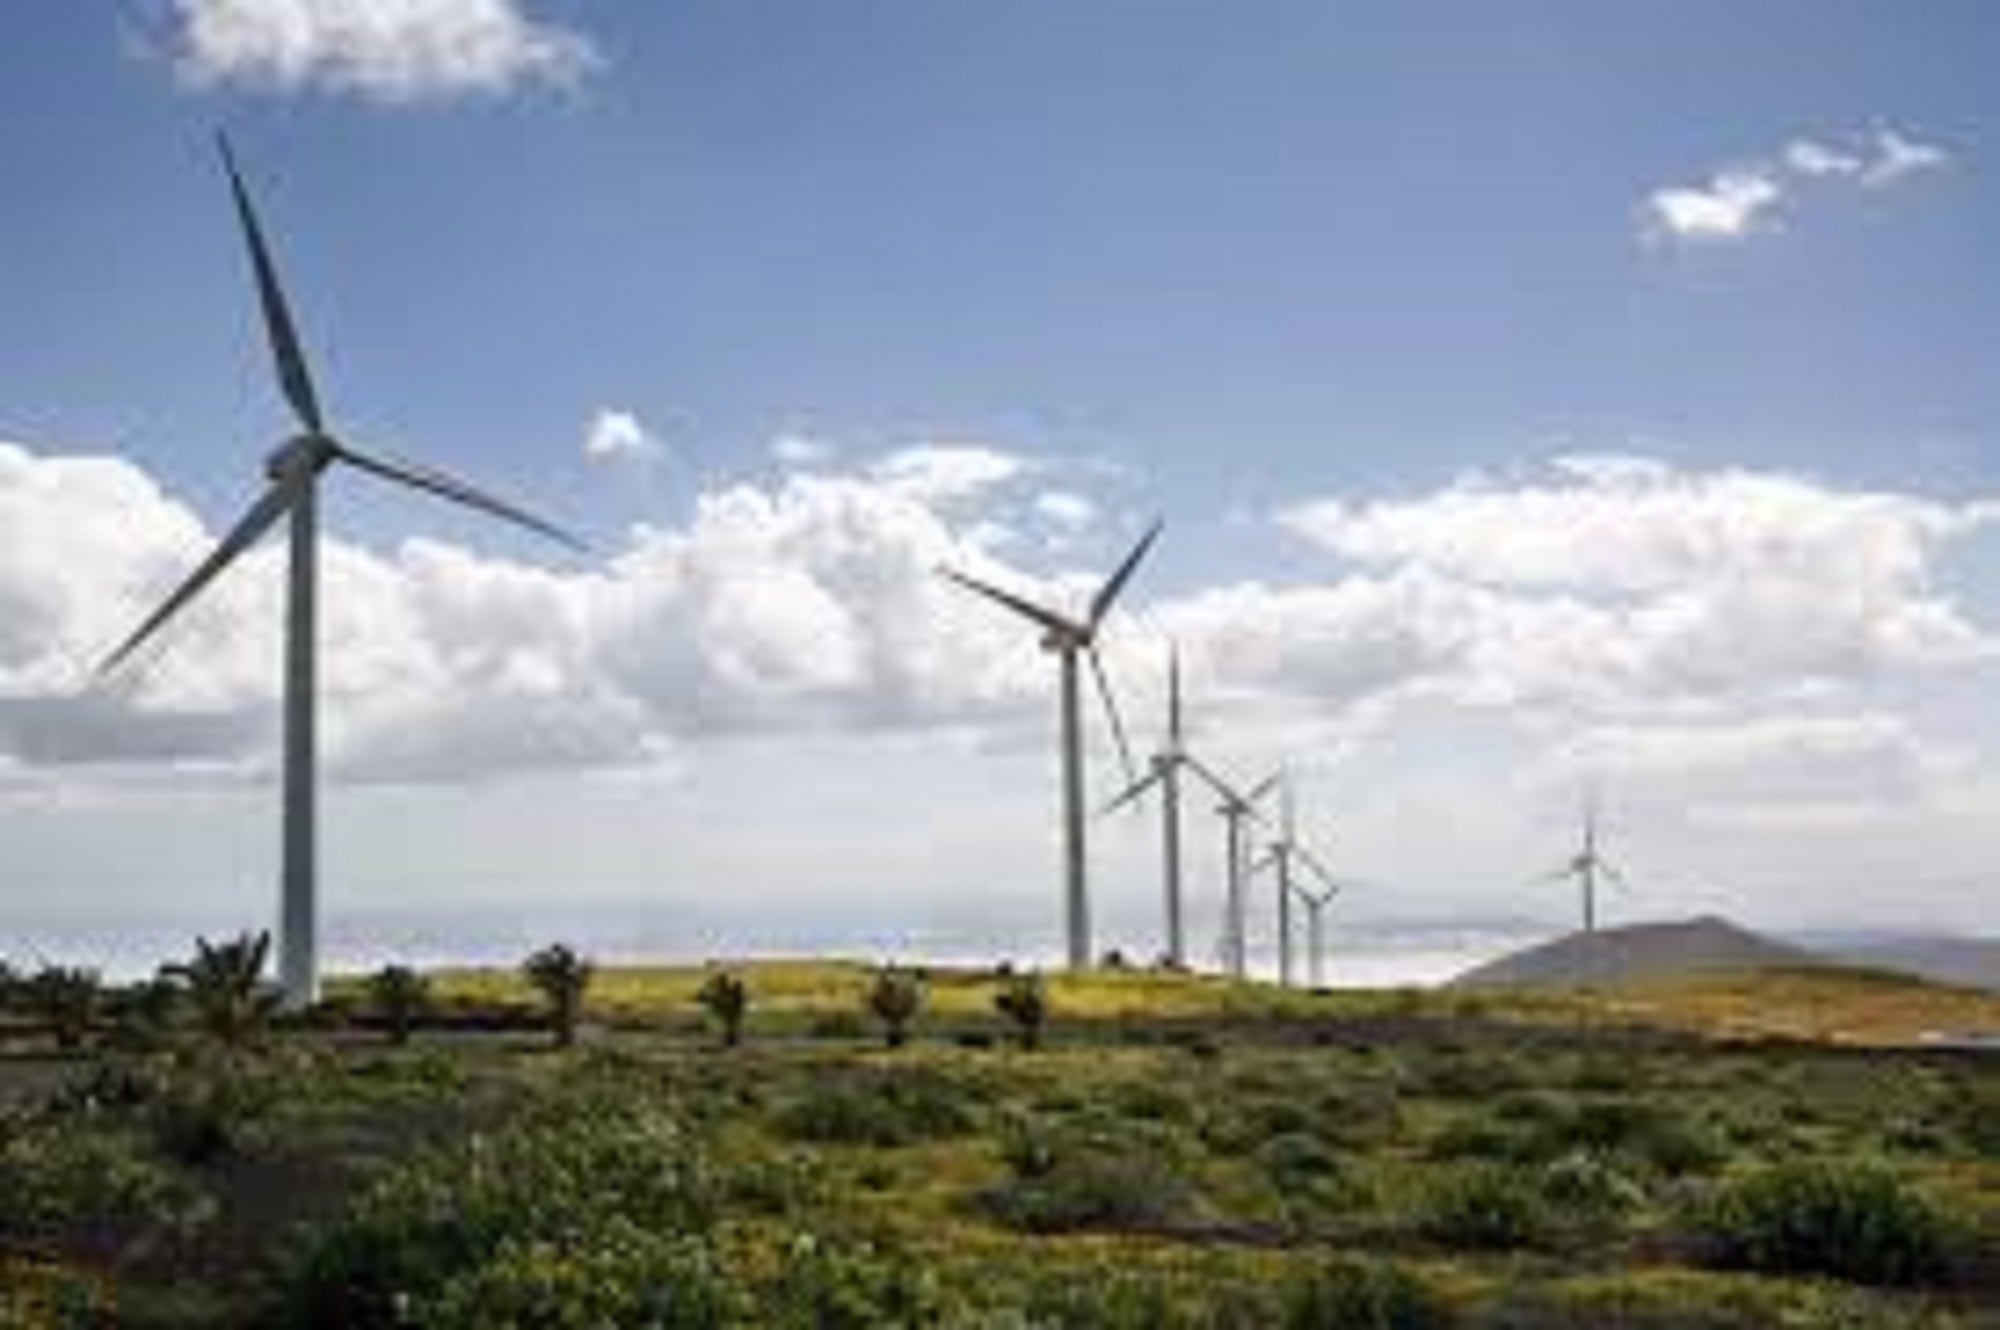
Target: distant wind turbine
point(1236, 810)
point(1587, 865)
point(1069, 639)
point(1282, 857)
point(1165, 772)
point(293, 472)
point(1316, 903)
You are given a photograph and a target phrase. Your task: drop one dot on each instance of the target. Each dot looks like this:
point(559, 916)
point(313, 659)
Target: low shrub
point(1088, 1175)
point(1482, 1206)
point(1847, 1220)
point(883, 1107)
point(1349, 1294)
point(573, 1183)
point(58, 1176)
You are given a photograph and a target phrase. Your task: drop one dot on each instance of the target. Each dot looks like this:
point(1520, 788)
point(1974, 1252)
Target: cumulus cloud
point(801, 449)
point(1065, 510)
point(943, 472)
point(1728, 206)
point(387, 50)
point(1613, 588)
point(618, 436)
point(1739, 201)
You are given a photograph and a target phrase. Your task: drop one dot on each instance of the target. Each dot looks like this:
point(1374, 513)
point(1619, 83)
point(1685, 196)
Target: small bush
point(1851, 1221)
point(59, 1176)
point(1024, 1000)
point(894, 999)
point(401, 997)
point(1349, 1294)
point(1082, 1176)
point(1485, 1207)
point(225, 986)
point(621, 1277)
point(561, 976)
point(880, 1107)
point(66, 999)
point(726, 998)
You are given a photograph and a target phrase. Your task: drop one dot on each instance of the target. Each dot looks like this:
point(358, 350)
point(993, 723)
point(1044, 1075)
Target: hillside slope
point(1636, 953)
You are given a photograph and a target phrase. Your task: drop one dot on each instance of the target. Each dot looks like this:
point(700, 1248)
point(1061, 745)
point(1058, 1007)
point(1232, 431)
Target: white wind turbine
point(293, 472)
point(1236, 811)
point(1070, 639)
point(1164, 770)
point(1316, 903)
point(1588, 865)
point(1283, 856)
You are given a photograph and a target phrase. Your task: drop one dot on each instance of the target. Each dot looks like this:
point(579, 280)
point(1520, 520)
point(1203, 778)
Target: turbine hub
point(308, 451)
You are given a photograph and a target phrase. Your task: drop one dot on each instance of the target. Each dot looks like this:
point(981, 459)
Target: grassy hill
point(1636, 952)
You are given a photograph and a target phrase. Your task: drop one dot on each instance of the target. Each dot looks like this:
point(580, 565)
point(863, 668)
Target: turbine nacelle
point(307, 454)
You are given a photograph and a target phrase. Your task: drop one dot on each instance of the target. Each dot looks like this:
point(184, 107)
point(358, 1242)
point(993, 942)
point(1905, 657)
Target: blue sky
point(1218, 261)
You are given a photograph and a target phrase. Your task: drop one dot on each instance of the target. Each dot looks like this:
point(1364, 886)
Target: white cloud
point(1743, 200)
point(1810, 157)
point(801, 450)
point(1729, 207)
point(1611, 588)
point(618, 436)
point(1897, 156)
point(1065, 510)
point(942, 472)
point(1731, 650)
point(388, 50)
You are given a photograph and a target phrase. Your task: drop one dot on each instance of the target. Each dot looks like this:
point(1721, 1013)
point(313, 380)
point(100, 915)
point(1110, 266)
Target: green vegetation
point(66, 999)
point(1243, 1158)
point(225, 986)
point(401, 997)
point(1024, 1000)
point(894, 999)
point(726, 998)
point(561, 977)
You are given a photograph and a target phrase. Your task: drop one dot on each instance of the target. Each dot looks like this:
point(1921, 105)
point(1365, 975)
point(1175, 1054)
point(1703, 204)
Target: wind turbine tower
point(293, 474)
point(1316, 903)
point(1164, 770)
point(1071, 640)
point(1588, 865)
point(1285, 855)
point(1236, 810)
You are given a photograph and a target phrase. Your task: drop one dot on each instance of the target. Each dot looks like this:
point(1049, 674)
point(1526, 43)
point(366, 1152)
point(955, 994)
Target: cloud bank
point(1745, 199)
point(393, 51)
point(1610, 591)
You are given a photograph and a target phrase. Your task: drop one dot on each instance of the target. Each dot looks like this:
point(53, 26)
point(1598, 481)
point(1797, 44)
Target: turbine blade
point(1611, 873)
point(1100, 604)
point(1265, 786)
point(266, 511)
point(293, 376)
point(1318, 869)
point(433, 481)
point(1047, 618)
point(1132, 792)
point(1214, 782)
point(1269, 860)
point(1111, 711)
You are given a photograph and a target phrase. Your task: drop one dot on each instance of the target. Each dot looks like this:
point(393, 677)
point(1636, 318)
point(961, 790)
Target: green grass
point(1182, 1152)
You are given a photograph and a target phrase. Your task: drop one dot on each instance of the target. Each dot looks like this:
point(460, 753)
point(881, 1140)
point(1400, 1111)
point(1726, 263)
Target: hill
point(1636, 953)
point(1966, 961)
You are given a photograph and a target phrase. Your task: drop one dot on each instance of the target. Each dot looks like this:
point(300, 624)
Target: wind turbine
point(293, 473)
point(1587, 865)
point(1282, 857)
point(1165, 772)
point(1236, 810)
point(1316, 903)
point(1069, 639)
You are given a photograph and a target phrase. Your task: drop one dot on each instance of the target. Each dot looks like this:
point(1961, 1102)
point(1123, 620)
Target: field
point(1176, 1152)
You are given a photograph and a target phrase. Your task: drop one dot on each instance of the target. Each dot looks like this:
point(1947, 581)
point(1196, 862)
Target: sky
point(1539, 397)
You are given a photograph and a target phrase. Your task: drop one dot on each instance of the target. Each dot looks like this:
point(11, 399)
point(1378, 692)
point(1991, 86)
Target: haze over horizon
point(1534, 397)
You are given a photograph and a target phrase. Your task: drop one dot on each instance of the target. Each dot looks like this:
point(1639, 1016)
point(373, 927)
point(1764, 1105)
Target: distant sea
point(1371, 954)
